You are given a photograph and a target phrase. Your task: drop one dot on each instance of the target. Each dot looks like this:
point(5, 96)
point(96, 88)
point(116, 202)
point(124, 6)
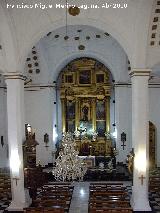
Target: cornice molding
point(140, 72)
point(14, 75)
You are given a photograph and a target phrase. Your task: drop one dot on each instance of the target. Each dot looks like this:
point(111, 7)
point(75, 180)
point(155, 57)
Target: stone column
point(140, 131)
point(15, 115)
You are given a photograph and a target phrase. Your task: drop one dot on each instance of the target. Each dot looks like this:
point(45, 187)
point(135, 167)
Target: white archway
point(76, 55)
point(104, 26)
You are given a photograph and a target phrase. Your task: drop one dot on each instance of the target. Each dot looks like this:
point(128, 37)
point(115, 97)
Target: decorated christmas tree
point(69, 166)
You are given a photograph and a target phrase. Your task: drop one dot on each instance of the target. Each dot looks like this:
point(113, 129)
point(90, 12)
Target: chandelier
point(69, 166)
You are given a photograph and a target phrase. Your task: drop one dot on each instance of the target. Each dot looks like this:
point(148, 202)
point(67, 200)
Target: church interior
point(79, 106)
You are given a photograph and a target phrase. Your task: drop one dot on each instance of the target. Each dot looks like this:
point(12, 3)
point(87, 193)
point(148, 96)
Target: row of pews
point(154, 181)
point(52, 198)
point(108, 198)
point(5, 184)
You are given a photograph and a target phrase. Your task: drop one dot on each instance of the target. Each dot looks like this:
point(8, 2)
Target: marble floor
point(79, 202)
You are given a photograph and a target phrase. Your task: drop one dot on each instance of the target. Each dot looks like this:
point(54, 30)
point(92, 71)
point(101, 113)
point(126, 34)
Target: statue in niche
point(85, 111)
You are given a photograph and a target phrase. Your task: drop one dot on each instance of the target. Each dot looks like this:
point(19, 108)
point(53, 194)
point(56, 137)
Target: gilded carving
point(85, 82)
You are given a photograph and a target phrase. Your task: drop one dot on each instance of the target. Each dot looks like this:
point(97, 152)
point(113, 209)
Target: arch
point(76, 55)
point(10, 56)
point(104, 26)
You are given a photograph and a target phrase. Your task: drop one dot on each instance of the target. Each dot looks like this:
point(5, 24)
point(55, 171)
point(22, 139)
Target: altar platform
point(97, 174)
point(97, 161)
point(120, 173)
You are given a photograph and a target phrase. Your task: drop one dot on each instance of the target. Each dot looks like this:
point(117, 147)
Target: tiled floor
point(155, 201)
point(4, 203)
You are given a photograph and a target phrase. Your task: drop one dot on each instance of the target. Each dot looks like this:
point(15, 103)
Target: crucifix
point(123, 144)
point(141, 178)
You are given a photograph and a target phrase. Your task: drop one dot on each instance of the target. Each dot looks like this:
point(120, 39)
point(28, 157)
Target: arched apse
point(73, 56)
point(55, 52)
point(103, 26)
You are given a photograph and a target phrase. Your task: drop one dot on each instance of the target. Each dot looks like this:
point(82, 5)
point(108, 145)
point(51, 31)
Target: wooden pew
point(110, 210)
point(110, 203)
point(53, 210)
point(53, 196)
point(108, 198)
point(44, 210)
point(33, 210)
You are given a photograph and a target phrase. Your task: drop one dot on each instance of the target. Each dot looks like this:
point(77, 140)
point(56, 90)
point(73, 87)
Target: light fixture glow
point(55, 135)
point(114, 134)
point(29, 128)
point(15, 162)
point(81, 192)
point(140, 161)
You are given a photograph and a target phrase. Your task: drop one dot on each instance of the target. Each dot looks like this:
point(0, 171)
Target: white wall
point(124, 117)
point(39, 114)
point(123, 114)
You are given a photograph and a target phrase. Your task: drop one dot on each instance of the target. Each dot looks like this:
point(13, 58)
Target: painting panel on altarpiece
point(85, 77)
point(100, 128)
point(100, 78)
point(100, 110)
point(86, 128)
point(70, 126)
point(70, 114)
point(69, 79)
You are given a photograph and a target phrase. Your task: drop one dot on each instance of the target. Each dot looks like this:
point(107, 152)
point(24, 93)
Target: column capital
point(14, 75)
point(140, 72)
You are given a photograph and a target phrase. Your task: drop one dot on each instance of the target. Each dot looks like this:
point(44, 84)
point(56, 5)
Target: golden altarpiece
point(85, 92)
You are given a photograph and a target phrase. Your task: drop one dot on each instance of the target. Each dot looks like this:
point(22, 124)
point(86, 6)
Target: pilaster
point(140, 133)
point(15, 115)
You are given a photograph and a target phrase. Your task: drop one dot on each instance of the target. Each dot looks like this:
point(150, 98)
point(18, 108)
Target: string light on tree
point(69, 166)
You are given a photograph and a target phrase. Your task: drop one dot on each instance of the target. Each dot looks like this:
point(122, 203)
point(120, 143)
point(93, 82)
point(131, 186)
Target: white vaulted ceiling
point(55, 50)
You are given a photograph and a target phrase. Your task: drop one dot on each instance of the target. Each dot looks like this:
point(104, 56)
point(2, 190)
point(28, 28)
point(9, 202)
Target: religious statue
point(110, 166)
point(85, 113)
point(130, 161)
point(108, 135)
